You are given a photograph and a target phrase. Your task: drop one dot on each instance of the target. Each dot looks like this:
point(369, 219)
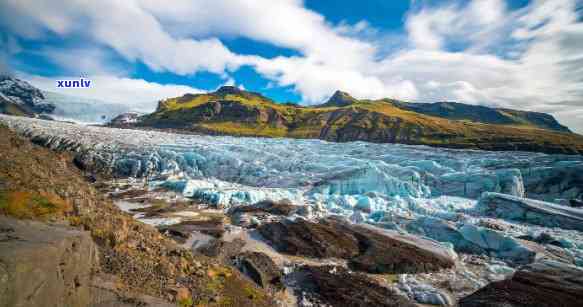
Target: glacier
point(432, 192)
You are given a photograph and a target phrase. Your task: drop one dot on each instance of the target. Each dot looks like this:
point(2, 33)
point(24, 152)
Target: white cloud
point(284, 23)
point(83, 61)
point(133, 92)
point(545, 42)
point(476, 52)
point(123, 26)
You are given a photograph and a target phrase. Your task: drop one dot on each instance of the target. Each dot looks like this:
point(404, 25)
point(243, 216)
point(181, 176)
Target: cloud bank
point(479, 52)
point(140, 94)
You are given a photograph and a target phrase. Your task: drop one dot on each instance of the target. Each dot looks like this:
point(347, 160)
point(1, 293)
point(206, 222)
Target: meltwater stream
point(363, 181)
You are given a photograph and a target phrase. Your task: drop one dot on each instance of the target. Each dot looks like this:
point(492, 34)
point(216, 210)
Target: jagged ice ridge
point(432, 190)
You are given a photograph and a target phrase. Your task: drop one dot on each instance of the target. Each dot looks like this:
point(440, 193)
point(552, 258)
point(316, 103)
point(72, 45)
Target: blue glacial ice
point(434, 189)
point(530, 211)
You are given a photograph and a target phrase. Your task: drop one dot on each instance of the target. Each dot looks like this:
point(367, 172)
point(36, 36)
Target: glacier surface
point(428, 191)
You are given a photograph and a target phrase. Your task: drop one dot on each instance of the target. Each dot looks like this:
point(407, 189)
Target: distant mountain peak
point(340, 99)
point(26, 96)
point(235, 91)
point(229, 90)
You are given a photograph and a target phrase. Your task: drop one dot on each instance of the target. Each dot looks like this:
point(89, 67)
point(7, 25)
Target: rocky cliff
point(343, 118)
point(18, 97)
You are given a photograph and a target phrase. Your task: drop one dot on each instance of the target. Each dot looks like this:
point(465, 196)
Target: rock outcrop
point(366, 248)
point(283, 208)
point(125, 119)
point(340, 99)
point(542, 284)
point(262, 212)
point(261, 269)
point(45, 265)
point(24, 95)
point(336, 286)
point(530, 211)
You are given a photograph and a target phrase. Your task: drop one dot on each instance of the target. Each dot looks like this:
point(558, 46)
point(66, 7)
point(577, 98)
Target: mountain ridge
point(20, 98)
point(232, 111)
point(479, 113)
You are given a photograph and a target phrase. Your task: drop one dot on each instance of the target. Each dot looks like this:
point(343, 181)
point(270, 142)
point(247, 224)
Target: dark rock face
point(10, 107)
point(43, 265)
point(317, 240)
point(390, 251)
point(284, 208)
point(530, 211)
point(262, 212)
point(182, 231)
point(223, 250)
point(576, 203)
point(261, 269)
point(24, 94)
point(366, 248)
point(228, 90)
point(125, 119)
point(542, 284)
point(336, 286)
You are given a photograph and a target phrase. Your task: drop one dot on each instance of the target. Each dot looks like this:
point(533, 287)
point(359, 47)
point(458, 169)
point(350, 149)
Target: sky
point(521, 54)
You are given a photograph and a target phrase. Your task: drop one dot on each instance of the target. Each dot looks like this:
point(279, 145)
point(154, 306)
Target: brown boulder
point(183, 230)
point(541, 284)
point(310, 239)
point(45, 265)
point(261, 269)
point(390, 251)
point(284, 207)
point(366, 248)
point(336, 286)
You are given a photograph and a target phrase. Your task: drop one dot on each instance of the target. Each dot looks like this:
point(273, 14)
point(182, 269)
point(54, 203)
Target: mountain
point(20, 98)
point(482, 114)
point(231, 111)
point(7, 106)
point(340, 99)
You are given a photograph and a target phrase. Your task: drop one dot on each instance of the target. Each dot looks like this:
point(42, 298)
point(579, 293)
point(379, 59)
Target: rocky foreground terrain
point(96, 216)
point(62, 243)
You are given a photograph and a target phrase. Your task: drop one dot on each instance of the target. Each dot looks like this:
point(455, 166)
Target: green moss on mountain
point(231, 111)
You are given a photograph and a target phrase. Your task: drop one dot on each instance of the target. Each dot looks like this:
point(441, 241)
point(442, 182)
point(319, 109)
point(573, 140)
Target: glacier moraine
point(434, 192)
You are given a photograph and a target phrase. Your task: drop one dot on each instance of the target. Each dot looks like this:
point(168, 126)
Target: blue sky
point(509, 53)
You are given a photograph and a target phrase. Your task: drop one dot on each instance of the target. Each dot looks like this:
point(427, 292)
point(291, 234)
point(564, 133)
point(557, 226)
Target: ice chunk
point(530, 211)
point(472, 184)
point(497, 244)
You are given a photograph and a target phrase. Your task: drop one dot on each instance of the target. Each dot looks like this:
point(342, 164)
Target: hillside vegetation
point(231, 111)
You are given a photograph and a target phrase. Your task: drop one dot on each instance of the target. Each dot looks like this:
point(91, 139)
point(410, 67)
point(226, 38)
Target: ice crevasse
point(344, 176)
point(384, 184)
